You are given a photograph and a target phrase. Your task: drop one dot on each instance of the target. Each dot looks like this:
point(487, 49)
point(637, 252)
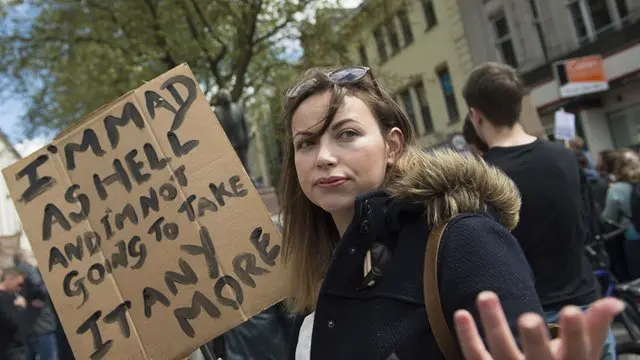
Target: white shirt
point(303, 349)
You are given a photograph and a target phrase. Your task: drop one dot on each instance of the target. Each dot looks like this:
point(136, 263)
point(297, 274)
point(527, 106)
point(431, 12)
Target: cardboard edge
point(109, 104)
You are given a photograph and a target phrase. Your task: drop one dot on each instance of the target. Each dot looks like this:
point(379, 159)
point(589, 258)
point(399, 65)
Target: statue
point(231, 117)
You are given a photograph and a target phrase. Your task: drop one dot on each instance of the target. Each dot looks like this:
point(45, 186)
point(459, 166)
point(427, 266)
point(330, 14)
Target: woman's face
point(350, 158)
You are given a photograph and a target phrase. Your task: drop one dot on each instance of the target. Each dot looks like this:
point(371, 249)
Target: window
point(504, 43)
point(405, 95)
point(429, 13)
point(538, 25)
point(592, 18)
point(363, 55)
point(449, 94)
point(424, 107)
point(380, 44)
point(394, 41)
point(406, 26)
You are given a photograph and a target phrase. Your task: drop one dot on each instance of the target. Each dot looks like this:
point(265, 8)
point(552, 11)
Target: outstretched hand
point(582, 334)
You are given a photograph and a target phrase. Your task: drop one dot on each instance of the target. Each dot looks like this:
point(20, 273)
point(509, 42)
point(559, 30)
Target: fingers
point(469, 338)
point(575, 339)
point(533, 336)
point(598, 320)
point(497, 332)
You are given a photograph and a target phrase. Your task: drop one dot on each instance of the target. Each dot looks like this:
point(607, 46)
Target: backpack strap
point(437, 321)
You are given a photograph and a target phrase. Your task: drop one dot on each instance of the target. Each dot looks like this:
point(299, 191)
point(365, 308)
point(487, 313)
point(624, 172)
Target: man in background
point(40, 320)
point(12, 346)
point(553, 227)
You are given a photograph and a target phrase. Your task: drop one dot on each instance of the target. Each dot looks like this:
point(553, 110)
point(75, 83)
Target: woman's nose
point(326, 157)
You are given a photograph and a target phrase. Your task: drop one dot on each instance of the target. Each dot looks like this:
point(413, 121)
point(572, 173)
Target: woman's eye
point(348, 134)
point(304, 144)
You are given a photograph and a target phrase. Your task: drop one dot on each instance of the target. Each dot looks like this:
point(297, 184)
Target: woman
point(625, 168)
point(359, 199)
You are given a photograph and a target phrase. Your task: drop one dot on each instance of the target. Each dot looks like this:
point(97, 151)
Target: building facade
point(418, 50)
point(422, 51)
point(11, 235)
point(534, 35)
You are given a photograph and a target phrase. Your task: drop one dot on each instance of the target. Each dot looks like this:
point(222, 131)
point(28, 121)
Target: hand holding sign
point(151, 237)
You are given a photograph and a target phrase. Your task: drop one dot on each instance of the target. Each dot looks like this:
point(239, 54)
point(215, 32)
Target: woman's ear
point(395, 145)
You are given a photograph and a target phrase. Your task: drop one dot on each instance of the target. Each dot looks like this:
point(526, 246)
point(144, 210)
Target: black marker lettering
point(151, 296)
point(170, 230)
point(198, 302)
point(56, 258)
point(37, 184)
point(219, 192)
point(101, 348)
point(120, 175)
point(150, 202)
point(178, 148)
point(168, 192)
point(187, 208)
point(128, 212)
point(119, 258)
point(96, 274)
point(204, 205)
point(140, 252)
point(74, 250)
point(188, 277)
point(234, 285)
point(207, 250)
point(76, 288)
point(181, 176)
point(269, 257)
point(155, 101)
point(92, 241)
point(89, 140)
point(111, 123)
point(244, 265)
point(237, 187)
point(83, 199)
point(108, 230)
point(155, 163)
point(53, 215)
point(119, 314)
point(156, 228)
point(135, 167)
point(192, 90)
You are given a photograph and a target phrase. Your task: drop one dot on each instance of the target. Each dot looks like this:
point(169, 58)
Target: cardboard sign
point(150, 236)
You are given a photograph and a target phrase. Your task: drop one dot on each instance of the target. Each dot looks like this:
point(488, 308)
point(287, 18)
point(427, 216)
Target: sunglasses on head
point(343, 76)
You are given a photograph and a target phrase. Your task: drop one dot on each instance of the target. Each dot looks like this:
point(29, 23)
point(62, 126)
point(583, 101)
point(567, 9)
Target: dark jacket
point(38, 321)
point(389, 320)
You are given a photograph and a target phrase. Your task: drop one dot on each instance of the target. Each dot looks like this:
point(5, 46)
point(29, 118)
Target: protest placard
point(150, 236)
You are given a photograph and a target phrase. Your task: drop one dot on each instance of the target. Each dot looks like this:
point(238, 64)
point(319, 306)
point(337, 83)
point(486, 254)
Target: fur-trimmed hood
point(449, 183)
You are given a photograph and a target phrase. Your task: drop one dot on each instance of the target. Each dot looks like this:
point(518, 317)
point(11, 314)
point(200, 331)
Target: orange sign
point(586, 69)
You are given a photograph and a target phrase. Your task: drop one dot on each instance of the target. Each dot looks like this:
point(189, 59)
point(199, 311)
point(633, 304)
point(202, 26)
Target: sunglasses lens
point(347, 75)
point(300, 88)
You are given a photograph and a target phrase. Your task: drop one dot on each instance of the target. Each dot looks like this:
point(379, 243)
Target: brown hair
point(309, 233)
point(626, 165)
point(496, 90)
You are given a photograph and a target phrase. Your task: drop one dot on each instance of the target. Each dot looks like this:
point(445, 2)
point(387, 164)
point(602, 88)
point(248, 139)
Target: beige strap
point(438, 323)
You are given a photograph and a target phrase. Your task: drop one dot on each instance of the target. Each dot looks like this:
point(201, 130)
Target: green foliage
point(75, 55)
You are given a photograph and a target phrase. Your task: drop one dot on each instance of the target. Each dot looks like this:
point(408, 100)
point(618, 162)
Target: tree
point(68, 57)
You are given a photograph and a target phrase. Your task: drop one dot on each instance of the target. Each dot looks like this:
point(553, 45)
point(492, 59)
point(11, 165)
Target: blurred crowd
point(30, 327)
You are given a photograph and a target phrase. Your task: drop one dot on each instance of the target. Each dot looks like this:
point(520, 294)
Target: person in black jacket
point(40, 320)
point(12, 346)
point(359, 200)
